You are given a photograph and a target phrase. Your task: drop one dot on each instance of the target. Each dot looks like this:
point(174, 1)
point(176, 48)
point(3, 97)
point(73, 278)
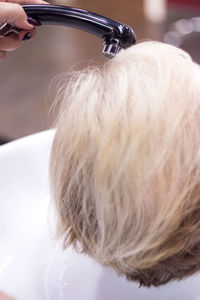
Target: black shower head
point(115, 35)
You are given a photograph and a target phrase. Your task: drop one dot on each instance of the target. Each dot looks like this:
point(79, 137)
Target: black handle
point(115, 35)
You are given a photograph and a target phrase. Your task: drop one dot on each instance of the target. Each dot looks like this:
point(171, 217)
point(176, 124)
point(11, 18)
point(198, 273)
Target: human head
point(125, 164)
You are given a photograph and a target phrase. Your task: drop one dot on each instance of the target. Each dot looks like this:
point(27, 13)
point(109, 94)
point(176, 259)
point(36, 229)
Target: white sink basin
point(32, 265)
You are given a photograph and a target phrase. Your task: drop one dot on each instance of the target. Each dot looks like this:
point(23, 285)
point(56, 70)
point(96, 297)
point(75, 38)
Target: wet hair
point(125, 164)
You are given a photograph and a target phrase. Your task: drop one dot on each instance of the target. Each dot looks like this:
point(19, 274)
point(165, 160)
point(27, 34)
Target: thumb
point(13, 13)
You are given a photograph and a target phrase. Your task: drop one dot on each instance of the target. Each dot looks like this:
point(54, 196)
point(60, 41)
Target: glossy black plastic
point(113, 32)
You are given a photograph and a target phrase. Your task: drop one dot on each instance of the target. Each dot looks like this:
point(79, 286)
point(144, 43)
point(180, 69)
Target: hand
point(5, 297)
point(12, 12)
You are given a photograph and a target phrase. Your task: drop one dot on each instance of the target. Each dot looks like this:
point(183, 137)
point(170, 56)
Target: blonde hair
point(125, 163)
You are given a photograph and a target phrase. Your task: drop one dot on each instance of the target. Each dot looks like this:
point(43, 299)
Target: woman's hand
point(12, 12)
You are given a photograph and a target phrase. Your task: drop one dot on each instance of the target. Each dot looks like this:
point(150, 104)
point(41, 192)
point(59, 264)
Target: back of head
point(125, 164)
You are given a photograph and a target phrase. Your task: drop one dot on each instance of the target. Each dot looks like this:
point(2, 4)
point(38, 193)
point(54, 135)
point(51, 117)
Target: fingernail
point(27, 36)
point(33, 21)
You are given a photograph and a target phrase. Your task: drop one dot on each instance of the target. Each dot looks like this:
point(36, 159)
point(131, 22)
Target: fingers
point(25, 35)
point(9, 43)
point(14, 14)
point(13, 41)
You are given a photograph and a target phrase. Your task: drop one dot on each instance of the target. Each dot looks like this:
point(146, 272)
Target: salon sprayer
point(115, 35)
